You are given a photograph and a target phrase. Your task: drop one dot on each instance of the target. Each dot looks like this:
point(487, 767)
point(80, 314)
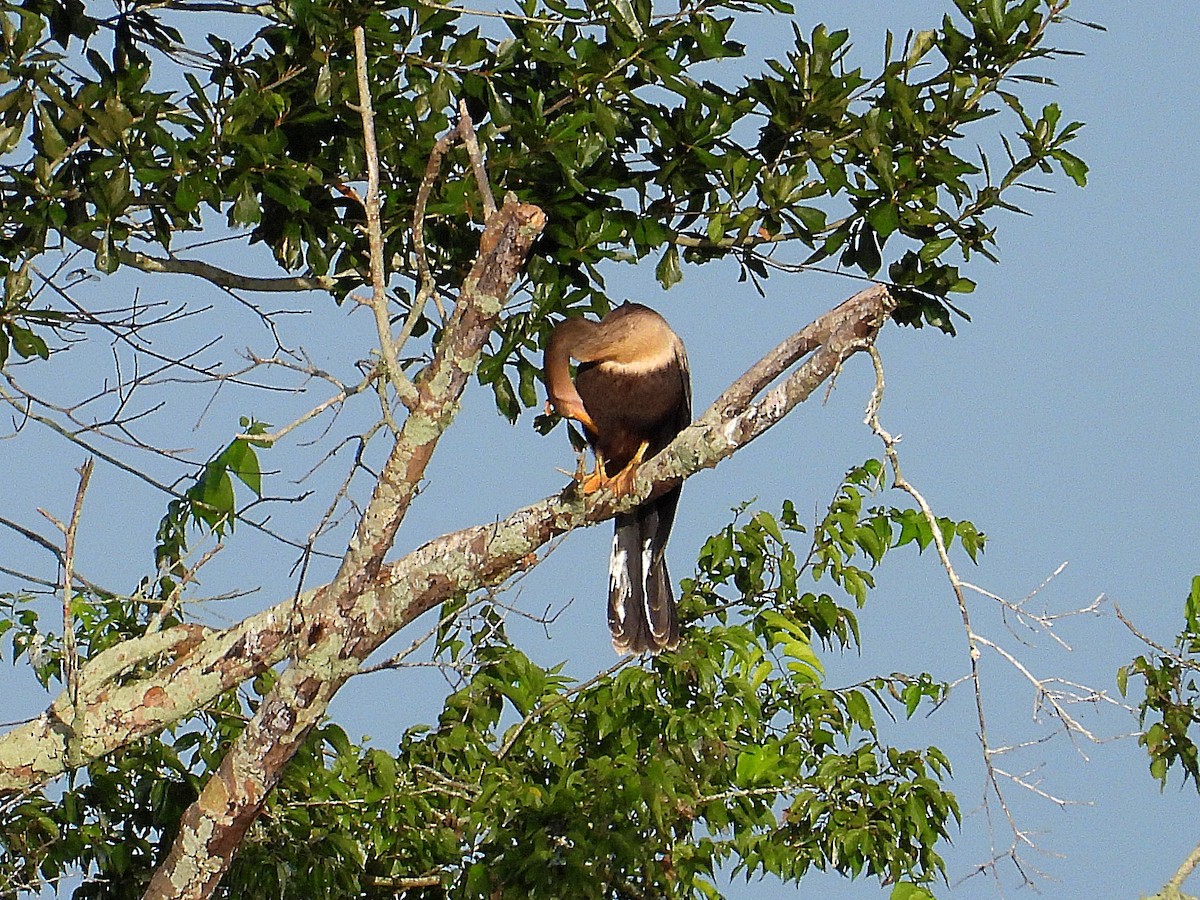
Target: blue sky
point(1060, 421)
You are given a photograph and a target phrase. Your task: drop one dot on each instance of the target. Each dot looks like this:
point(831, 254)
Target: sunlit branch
point(339, 629)
point(1172, 889)
point(198, 664)
point(379, 299)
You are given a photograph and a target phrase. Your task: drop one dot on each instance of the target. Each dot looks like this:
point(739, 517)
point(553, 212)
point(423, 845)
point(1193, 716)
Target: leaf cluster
point(1171, 698)
point(208, 503)
point(630, 125)
point(730, 753)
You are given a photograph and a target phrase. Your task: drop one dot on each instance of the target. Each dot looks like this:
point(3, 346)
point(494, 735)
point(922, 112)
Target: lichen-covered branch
point(195, 664)
point(201, 664)
point(342, 627)
point(1173, 889)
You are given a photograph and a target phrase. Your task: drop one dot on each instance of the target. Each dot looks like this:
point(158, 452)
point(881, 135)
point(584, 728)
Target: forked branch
point(1050, 694)
point(198, 664)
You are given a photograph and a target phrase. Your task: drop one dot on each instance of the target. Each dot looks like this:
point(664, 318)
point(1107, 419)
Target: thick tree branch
point(191, 665)
point(196, 665)
point(342, 633)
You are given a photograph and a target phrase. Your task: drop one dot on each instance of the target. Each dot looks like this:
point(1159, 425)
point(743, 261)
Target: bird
point(632, 394)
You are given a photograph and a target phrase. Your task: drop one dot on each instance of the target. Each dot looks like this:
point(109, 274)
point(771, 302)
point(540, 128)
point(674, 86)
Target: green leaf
point(912, 695)
point(213, 497)
point(625, 12)
point(1191, 608)
point(884, 218)
point(934, 248)
point(922, 42)
point(27, 343)
point(53, 144)
point(859, 710)
point(107, 260)
point(324, 82)
point(242, 461)
point(995, 11)
point(246, 209)
point(1075, 167)
point(668, 271)
point(905, 890)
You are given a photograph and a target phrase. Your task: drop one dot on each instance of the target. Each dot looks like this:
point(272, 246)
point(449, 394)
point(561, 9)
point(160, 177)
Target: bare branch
point(379, 299)
point(467, 129)
point(112, 460)
point(426, 284)
point(213, 274)
point(169, 605)
point(348, 619)
point(70, 651)
point(1053, 694)
point(1167, 652)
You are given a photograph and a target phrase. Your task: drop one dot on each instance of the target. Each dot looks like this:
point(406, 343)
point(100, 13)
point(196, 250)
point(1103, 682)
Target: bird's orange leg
point(596, 481)
point(622, 483)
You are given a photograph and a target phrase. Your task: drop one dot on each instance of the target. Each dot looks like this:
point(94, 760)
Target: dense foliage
point(640, 134)
point(644, 781)
point(613, 117)
point(1171, 699)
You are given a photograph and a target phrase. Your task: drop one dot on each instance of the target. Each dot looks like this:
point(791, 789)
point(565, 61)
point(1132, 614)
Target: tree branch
point(344, 629)
point(1172, 889)
point(70, 651)
point(379, 299)
point(213, 274)
point(200, 664)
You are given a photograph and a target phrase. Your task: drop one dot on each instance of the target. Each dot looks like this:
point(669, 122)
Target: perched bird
point(632, 394)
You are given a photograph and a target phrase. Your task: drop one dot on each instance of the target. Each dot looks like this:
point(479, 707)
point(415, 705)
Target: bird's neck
point(562, 346)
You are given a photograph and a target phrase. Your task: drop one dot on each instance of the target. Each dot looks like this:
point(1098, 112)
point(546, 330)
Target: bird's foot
point(598, 480)
point(594, 481)
point(623, 482)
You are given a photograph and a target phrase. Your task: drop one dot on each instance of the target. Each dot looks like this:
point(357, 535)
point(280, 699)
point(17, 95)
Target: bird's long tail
point(641, 605)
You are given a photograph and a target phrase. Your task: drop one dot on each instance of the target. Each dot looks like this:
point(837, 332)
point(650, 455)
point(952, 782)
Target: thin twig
point(379, 300)
point(70, 650)
point(214, 274)
point(172, 602)
point(973, 639)
point(1167, 652)
point(426, 284)
point(471, 142)
point(406, 882)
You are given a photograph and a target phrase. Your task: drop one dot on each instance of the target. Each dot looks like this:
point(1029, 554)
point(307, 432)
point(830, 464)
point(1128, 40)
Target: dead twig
point(1049, 693)
point(379, 300)
point(70, 650)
